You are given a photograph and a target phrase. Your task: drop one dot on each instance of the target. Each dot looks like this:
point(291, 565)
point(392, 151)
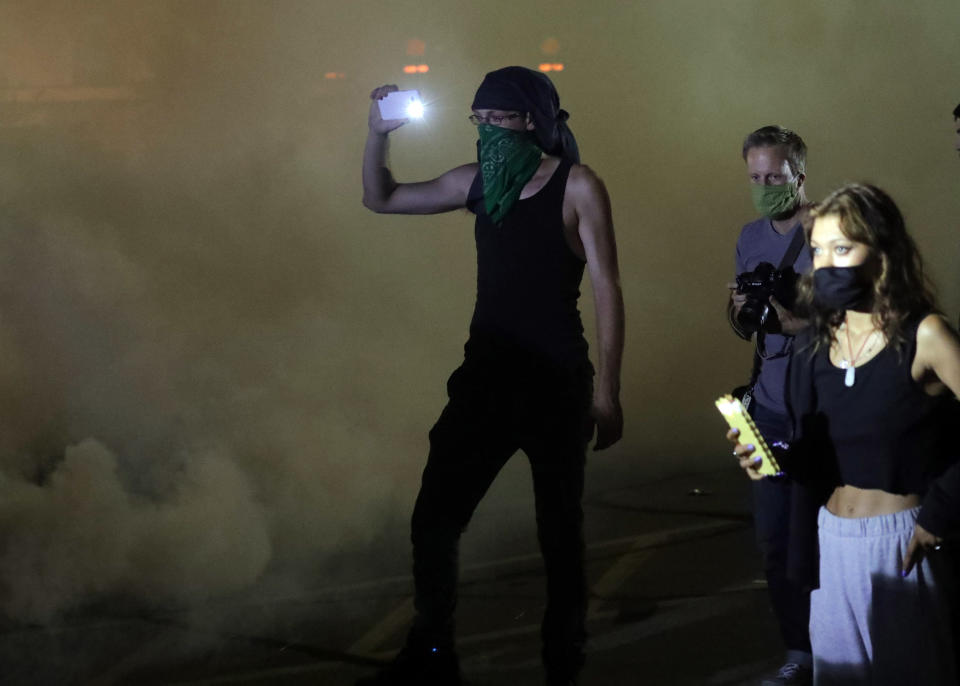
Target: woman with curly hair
point(872, 390)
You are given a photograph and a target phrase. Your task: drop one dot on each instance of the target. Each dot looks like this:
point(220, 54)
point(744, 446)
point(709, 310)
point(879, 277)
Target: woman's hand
point(922, 543)
point(743, 453)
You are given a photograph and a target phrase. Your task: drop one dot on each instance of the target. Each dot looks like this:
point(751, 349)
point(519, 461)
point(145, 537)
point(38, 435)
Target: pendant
point(850, 376)
point(848, 373)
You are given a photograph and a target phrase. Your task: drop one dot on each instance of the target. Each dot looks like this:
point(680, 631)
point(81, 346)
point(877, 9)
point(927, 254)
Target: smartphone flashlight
point(415, 109)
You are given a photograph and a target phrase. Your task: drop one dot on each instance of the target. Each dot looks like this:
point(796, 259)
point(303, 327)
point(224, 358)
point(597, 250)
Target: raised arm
point(381, 193)
point(595, 228)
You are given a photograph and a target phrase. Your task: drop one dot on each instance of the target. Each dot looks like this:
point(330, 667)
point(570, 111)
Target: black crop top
point(885, 431)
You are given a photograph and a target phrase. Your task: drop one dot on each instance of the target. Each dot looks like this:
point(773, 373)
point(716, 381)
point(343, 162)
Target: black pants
point(496, 408)
point(771, 517)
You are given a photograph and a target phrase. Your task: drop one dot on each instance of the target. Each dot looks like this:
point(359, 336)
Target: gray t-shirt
point(760, 242)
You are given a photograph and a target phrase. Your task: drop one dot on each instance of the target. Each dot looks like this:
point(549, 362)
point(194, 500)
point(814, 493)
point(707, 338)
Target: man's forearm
point(608, 300)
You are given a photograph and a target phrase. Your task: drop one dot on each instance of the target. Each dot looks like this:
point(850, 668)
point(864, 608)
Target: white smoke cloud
point(84, 534)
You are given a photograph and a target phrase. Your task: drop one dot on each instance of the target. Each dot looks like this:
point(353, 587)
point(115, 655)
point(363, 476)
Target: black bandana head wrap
point(519, 89)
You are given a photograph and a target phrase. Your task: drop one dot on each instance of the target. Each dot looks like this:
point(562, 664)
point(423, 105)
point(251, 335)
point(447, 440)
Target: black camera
point(757, 313)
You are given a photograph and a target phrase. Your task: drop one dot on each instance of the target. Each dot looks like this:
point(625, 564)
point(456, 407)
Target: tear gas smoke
point(216, 365)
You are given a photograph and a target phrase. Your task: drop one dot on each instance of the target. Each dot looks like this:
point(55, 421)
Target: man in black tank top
point(526, 382)
point(956, 143)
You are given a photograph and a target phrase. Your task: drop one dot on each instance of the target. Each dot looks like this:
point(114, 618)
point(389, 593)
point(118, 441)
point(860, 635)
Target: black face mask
point(841, 288)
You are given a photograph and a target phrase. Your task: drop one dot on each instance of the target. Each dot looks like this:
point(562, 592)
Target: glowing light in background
point(550, 46)
point(416, 47)
point(331, 75)
point(416, 69)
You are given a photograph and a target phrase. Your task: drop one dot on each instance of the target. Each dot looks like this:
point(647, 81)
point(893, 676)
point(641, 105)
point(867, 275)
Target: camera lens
point(752, 314)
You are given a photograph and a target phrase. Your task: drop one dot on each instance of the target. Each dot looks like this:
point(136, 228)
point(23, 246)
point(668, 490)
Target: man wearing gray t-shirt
point(776, 162)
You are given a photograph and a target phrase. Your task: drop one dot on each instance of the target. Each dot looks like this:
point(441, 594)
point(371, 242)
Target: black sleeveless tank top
point(528, 281)
point(886, 432)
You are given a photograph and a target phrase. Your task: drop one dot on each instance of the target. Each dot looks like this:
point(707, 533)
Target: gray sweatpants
point(870, 625)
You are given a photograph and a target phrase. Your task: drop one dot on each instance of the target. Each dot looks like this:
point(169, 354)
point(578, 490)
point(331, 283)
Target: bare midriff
point(853, 503)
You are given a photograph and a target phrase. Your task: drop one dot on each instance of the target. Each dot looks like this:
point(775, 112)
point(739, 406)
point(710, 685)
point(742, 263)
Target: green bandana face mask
point(774, 201)
point(508, 159)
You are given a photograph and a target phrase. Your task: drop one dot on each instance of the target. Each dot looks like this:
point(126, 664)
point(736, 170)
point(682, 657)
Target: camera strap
point(793, 250)
point(789, 257)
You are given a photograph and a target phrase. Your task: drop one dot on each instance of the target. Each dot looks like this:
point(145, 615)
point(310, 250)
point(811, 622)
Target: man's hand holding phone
point(377, 123)
point(392, 108)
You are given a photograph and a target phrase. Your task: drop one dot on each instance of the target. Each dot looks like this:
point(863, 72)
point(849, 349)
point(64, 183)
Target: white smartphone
point(732, 410)
point(401, 105)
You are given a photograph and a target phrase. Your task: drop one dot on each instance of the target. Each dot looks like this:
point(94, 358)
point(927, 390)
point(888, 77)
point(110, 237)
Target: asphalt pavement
point(676, 598)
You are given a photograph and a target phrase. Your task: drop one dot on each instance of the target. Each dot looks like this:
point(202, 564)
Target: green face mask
point(508, 159)
point(774, 201)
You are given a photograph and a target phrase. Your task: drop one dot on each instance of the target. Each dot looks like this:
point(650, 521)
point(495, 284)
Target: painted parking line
point(614, 578)
point(395, 621)
point(640, 549)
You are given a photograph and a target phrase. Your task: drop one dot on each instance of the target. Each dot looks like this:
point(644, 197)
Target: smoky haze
point(217, 364)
